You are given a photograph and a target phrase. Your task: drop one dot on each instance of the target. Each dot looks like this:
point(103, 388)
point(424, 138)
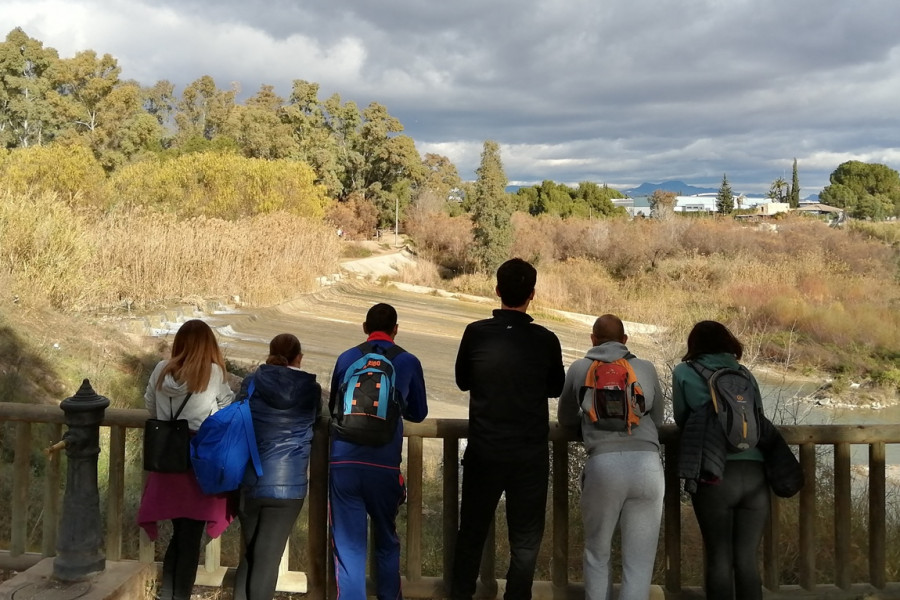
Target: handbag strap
point(180, 408)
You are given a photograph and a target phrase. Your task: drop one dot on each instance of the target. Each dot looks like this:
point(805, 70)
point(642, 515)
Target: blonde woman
point(195, 371)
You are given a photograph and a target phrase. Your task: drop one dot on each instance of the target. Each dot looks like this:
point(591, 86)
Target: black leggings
point(266, 524)
point(181, 559)
point(732, 517)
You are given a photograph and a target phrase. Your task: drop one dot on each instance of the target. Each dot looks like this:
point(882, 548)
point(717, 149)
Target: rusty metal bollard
point(80, 534)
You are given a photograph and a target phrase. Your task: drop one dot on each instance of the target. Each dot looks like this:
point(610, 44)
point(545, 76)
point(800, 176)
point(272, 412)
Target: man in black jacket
point(510, 366)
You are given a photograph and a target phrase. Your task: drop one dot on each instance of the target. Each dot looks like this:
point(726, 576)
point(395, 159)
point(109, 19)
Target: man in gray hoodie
point(623, 479)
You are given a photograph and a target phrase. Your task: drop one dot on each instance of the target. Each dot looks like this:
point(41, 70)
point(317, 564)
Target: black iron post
point(80, 537)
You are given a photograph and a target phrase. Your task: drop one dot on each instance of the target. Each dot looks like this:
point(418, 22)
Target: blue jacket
point(285, 406)
point(409, 381)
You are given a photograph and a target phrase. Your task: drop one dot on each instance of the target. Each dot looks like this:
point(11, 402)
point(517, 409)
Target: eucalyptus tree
point(81, 84)
point(98, 110)
point(315, 140)
point(441, 176)
point(124, 132)
point(159, 101)
point(258, 129)
point(203, 110)
point(26, 115)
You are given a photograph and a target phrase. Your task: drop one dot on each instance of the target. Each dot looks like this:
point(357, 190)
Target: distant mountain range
point(679, 187)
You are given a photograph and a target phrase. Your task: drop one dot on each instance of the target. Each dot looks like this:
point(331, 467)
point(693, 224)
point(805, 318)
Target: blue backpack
point(223, 446)
point(368, 404)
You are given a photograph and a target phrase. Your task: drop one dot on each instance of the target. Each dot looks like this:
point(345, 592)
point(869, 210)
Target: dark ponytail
point(283, 350)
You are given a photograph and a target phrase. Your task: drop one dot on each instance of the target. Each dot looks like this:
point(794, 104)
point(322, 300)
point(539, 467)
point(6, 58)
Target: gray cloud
point(621, 92)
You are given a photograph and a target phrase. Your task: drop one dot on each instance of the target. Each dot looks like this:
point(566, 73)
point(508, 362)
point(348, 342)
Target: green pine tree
point(725, 197)
point(491, 211)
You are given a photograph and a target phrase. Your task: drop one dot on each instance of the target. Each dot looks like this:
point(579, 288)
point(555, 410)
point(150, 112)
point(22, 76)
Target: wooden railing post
point(21, 478)
point(770, 545)
point(317, 531)
point(877, 515)
point(807, 517)
point(414, 479)
point(115, 503)
point(843, 515)
point(451, 507)
point(559, 568)
point(52, 492)
point(146, 546)
point(672, 516)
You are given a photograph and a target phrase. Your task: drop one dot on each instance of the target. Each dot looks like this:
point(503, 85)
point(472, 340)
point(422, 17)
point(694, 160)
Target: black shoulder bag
point(167, 444)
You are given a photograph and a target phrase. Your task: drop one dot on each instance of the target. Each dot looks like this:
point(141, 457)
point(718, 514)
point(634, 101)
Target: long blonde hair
point(193, 352)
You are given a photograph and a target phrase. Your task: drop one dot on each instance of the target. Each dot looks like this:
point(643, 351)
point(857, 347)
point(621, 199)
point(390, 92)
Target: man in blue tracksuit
point(366, 480)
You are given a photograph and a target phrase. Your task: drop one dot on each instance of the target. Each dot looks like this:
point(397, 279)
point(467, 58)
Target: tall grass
point(77, 260)
point(836, 291)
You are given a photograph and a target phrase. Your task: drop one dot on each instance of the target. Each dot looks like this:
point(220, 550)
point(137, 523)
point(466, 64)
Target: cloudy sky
point(612, 91)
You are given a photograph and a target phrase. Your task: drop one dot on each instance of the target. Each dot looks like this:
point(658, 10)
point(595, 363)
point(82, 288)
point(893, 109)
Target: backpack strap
point(389, 353)
point(701, 370)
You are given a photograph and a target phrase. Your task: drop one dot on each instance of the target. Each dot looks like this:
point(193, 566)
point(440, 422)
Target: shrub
point(70, 172)
point(442, 239)
point(356, 217)
point(836, 291)
point(222, 185)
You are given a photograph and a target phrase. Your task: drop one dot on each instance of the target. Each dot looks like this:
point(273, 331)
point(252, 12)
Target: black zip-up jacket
point(703, 449)
point(510, 366)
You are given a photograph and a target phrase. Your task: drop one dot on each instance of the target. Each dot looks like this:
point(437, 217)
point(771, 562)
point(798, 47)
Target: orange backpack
point(617, 400)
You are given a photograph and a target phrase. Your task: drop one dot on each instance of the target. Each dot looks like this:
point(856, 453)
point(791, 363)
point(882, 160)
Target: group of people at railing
point(510, 366)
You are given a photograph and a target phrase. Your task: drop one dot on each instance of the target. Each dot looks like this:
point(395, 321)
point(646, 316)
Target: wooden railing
point(34, 426)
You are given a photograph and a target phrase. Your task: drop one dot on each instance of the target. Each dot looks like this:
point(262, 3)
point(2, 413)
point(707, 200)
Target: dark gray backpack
point(736, 403)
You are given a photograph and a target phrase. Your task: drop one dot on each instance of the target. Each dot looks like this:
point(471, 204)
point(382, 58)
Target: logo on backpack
point(368, 404)
point(736, 403)
point(617, 400)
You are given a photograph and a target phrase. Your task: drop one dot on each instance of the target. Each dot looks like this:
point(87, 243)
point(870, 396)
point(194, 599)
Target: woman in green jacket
point(732, 511)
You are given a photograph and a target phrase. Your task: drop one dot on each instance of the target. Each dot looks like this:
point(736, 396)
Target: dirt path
point(430, 325)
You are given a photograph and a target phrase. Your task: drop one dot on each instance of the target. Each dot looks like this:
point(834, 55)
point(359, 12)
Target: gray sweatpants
point(624, 488)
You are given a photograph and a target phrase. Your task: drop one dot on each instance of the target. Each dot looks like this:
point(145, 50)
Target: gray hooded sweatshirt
point(574, 404)
point(162, 403)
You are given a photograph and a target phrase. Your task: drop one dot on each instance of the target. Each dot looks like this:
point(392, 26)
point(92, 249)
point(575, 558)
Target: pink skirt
point(177, 495)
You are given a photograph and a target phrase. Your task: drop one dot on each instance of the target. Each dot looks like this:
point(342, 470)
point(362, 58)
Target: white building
point(707, 202)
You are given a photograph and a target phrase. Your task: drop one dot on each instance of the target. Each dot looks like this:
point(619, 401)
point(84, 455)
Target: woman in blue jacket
point(732, 510)
point(285, 405)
